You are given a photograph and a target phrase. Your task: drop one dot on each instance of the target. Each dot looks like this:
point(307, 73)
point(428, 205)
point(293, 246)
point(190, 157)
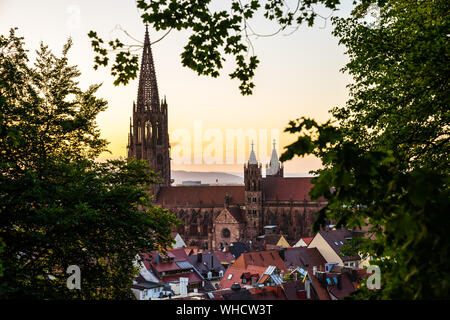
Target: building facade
point(215, 216)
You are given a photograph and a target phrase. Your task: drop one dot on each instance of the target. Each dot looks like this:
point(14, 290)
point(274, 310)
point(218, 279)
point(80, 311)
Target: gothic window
point(139, 133)
point(225, 233)
point(159, 133)
point(148, 131)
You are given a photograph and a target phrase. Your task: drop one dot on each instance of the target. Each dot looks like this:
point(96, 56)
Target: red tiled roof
point(178, 254)
point(224, 257)
point(149, 260)
point(280, 188)
point(237, 273)
point(268, 293)
point(303, 257)
point(207, 195)
point(321, 292)
point(261, 259)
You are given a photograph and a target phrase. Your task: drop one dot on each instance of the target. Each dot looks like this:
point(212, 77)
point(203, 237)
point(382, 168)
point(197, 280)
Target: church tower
point(253, 197)
point(275, 168)
point(149, 137)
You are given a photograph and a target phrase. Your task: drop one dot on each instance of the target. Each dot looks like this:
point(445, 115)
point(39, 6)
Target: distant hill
point(206, 177)
point(224, 178)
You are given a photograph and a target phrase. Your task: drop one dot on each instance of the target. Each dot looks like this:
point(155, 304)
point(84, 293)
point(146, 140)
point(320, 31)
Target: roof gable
point(229, 215)
point(336, 239)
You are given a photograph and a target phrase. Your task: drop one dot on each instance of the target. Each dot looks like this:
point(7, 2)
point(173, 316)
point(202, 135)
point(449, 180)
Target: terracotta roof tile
point(236, 275)
point(224, 257)
point(280, 188)
point(303, 257)
point(261, 259)
point(206, 195)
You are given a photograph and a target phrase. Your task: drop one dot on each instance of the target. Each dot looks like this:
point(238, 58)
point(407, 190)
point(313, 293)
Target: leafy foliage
point(215, 34)
point(386, 156)
point(59, 207)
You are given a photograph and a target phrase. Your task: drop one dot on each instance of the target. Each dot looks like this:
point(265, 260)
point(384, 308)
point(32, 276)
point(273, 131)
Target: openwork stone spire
point(148, 97)
point(149, 134)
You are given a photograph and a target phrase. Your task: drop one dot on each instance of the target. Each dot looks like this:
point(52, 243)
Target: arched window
point(139, 132)
point(225, 233)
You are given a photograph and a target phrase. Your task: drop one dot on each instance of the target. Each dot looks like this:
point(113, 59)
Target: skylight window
point(230, 276)
point(341, 242)
point(336, 243)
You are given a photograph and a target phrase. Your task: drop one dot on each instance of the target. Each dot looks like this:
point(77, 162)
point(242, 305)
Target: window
point(209, 275)
point(225, 233)
point(221, 273)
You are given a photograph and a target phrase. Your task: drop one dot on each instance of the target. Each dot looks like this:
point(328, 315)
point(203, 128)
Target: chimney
point(199, 257)
point(212, 261)
point(157, 258)
point(308, 289)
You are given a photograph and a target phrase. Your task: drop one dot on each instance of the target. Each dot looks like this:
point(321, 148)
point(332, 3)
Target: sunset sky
point(298, 76)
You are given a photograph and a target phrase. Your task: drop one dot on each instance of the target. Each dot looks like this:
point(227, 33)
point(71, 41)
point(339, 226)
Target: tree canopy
point(385, 157)
point(58, 206)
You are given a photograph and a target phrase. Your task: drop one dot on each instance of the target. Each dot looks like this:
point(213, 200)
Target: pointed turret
point(274, 168)
point(252, 158)
point(148, 97)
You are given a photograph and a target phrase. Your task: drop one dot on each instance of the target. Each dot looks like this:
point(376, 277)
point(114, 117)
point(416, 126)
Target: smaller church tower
point(253, 197)
point(274, 168)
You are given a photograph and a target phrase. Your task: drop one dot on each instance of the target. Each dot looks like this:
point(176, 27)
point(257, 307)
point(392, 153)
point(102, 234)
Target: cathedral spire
point(148, 97)
point(149, 134)
point(274, 165)
point(252, 158)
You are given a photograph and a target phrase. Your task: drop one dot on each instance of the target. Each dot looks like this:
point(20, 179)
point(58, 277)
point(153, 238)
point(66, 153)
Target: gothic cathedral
point(216, 216)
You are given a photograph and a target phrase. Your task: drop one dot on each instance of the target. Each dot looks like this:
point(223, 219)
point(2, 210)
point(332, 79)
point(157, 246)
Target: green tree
point(59, 207)
point(216, 34)
point(385, 157)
